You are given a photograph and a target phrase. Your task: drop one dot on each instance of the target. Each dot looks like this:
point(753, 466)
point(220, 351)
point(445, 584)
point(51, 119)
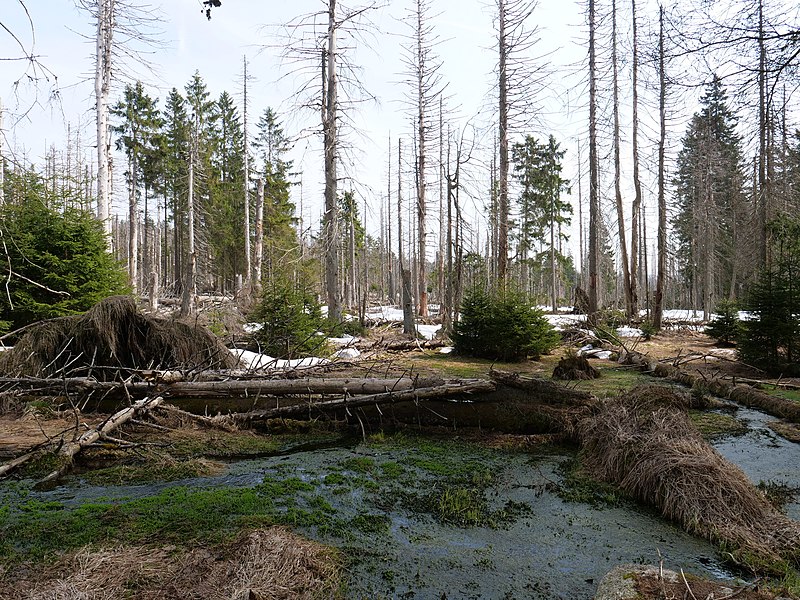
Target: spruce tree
point(709, 198)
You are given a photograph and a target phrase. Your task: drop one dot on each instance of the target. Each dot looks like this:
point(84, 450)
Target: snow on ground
point(385, 313)
point(344, 341)
point(629, 332)
point(428, 331)
point(346, 353)
point(255, 361)
point(446, 349)
point(565, 321)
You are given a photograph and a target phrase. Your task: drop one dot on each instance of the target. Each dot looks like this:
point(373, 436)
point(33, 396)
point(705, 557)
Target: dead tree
point(422, 68)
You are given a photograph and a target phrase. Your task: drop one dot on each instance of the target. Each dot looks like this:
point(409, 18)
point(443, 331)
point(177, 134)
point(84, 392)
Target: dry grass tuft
point(112, 334)
point(644, 442)
point(265, 564)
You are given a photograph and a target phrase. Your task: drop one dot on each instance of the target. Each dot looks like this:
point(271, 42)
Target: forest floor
point(156, 546)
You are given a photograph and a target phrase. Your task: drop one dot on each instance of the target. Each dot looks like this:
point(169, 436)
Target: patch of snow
point(601, 354)
point(385, 313)
point(428, 331)
point(446, 349)
point(345, 340)
point(256, 361)
point(252, 327)
point(729, 353)
point(629, 332)
point(565, 321)
point(346, 353)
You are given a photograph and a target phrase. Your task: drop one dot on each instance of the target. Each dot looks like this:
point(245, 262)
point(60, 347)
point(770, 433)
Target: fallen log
point(544, 390)
point(68, 451)
point(401, 345)
point(745, 395)
point(211, 389)
point(310, 409)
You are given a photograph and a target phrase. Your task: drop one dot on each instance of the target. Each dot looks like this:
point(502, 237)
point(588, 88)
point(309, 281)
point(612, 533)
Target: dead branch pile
point(267, 564)
point(644, 442)
point(110, 336)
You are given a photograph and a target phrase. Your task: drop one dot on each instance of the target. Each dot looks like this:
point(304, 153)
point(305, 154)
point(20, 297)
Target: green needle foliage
point(502, 326)
point(725, 327)
point(771, 336)
point(290, 316)
point(58, 259)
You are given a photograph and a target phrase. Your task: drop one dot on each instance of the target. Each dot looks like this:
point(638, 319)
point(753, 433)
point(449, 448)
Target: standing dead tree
point(518, 79)
point(425, 83)
point(327, 39)
point(124, 32)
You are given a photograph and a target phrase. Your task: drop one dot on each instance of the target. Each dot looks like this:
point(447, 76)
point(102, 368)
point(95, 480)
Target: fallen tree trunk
point(414, 345)
point(315, 408)
point(742, 394)
point(70, 449)
point(211, 389)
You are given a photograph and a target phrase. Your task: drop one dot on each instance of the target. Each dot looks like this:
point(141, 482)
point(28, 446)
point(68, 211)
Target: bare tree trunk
point(623, 246)
point(102, 90)
point(422, 208)
point(502, 225)
point(329, 125)
point(133, 226)
point(442, 234)
point(637, 185)
point(258, 251)
point(247, 252)
point(390, 263)
point(190, 287)
point(763, 200)
point(658, 305)
point(2, 158)
point(594, 176)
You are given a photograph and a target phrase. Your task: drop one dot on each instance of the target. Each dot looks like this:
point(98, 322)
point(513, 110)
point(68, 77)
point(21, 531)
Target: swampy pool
point(418, 517)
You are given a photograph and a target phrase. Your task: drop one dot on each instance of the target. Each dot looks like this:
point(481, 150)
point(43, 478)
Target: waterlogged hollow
point(417, 518)
point(764, 456)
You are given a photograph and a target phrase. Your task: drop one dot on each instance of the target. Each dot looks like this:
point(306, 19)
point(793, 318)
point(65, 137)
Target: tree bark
point(637, 185)
point(502, 217)
point(658, 304)
point(329, 126)
point(102, 90)
point(594, 176)
point(447, 390)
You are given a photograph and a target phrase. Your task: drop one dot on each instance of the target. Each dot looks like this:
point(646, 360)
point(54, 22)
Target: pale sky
point(242, 27)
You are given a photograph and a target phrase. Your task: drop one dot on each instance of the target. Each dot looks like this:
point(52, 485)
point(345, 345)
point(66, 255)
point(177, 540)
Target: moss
point(712, 424)
point(359, 464)
point(152, 470)
point(577, 486)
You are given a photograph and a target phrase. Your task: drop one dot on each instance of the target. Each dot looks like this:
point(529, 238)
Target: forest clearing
point(398, 473)
point(414, 299)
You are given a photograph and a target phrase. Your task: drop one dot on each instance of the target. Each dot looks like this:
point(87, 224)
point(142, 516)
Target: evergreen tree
point(225, 210)
point(770, 337)
point(137, 129)
point(175, 166)
point(537, 168)
point(710, 202)
point(58, 257)
point(279, 212)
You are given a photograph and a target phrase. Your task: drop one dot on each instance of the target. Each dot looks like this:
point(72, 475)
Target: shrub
point(725, 327)
point(770, 338)
point(290, 317)
point(60, 261)
point(502, 326)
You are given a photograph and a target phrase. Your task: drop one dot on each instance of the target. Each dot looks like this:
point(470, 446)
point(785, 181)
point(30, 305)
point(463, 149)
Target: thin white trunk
point(102, 89)
point(247, 255)
point(330, 141)
point(2, 158)
point(190, 287)
point(258, 254)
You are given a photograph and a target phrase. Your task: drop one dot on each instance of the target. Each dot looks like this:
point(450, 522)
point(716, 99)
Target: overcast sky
point(63, 41)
